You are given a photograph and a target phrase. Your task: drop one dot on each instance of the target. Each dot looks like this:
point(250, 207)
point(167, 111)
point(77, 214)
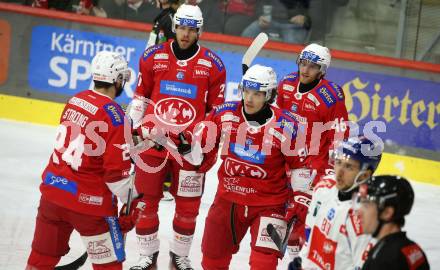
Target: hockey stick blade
point(274, 235)
point(276, 238)
point(253, 50)
point(76, 264)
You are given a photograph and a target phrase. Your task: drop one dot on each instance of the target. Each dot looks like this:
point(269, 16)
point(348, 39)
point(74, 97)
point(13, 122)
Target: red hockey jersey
point(325, 103)
point(89, 151)
point(181, 92)
point(253, 170)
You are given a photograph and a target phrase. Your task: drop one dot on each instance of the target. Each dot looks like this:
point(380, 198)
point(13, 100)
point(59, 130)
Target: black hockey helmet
point(390, 190)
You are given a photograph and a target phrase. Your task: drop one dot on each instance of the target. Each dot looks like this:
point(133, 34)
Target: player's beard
point(119, 90)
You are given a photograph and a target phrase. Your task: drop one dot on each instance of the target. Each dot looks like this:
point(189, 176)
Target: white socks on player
point(148, 244)
point(181, 244)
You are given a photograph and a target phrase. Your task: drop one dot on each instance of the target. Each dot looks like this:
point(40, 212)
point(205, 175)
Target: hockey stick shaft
point(253, 50)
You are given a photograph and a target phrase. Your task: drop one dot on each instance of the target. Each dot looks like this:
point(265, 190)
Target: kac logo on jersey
point(247, 153)
point(175, 112)
point(178, 89)
point(235, 167)
point(180, 75)
point(61, 183)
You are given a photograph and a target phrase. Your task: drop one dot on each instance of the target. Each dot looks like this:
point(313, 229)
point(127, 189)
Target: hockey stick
point(276, 238)
point(253, 50)
point(76, 264)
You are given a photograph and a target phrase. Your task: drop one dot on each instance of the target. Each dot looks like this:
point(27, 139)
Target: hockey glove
point(297, 208)
point(127, 222)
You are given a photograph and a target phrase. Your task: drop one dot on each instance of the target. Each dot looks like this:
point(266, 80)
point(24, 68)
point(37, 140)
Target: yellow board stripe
point(30, 110)
point(421, 170)
point(46, 112)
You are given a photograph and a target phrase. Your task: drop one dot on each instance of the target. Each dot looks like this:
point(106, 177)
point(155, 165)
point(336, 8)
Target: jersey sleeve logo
point(326, 96)
point(217, 61)
point(414, 256)
point(227, 106)
point(338, 90)
point(150, 51)
point(290, 77)
point(115, 113)
point(287, 125)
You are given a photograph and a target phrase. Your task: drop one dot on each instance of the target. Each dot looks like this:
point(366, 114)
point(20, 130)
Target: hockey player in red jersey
point(181, 81)
point(253, 189)
point(88, 167)
point(318, 104)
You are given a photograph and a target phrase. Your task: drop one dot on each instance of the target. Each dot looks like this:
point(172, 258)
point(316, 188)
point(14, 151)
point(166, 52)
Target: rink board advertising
point(60, 59)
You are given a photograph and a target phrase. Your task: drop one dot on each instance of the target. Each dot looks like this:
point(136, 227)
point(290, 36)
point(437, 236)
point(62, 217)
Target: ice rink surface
point(25, 149)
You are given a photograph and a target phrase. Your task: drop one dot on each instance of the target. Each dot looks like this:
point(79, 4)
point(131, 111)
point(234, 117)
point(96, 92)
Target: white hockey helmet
point(317, 54)
point(260, 78)
point(109, 67)
point(188, 15)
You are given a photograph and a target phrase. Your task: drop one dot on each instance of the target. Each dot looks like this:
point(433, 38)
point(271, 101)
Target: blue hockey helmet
point(362, 149)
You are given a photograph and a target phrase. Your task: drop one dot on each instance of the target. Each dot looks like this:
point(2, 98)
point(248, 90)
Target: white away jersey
point(334, 238)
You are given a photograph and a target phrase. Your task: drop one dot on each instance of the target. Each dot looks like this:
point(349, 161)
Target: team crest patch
point(116, 114)
point(294, 108)
point(150, 51)
point(217, 61)
point(180, 75)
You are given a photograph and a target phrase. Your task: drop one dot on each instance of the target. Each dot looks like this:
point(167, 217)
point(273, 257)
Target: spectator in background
point(229, 17)
point(84, 7)
point(134, 10)
point(162, 25)
point(285, 20)
point(322, 13)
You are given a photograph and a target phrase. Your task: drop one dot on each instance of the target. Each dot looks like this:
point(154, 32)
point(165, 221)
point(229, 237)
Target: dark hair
point(99, 84)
